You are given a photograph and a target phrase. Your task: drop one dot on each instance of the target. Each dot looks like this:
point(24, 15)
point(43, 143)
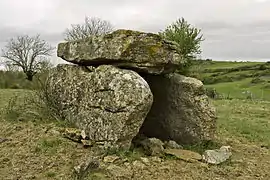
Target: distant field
point(230, 64)
point(235, 79)
point(241, 89)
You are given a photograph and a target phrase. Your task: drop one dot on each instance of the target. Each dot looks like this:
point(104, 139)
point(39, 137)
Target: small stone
point(138, 164)
point(3, 140)
point(87, 143)
point(73, 134)
point(110, 159)
point(83, 134)
point(156, 159)
point(127, 164)
point(145, 160)
point(85, 167)
point(172, 145)
point(125, 160)
point(152, 146)
point(217, 156)
point(185, 155)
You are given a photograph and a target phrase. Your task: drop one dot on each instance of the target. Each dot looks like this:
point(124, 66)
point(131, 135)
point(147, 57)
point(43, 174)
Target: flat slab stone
point(139, 51)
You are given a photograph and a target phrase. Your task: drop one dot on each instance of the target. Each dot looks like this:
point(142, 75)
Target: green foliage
point(17, 80)
point(187, 38)
point(24, 108)
point(35, 105)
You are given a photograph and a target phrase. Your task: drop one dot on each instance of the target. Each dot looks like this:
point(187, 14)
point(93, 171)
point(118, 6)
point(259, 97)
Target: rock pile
point(123, 84)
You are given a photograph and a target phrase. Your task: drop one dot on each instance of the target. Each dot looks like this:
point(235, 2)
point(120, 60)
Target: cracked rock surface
point(108, 103)
point(140, 51)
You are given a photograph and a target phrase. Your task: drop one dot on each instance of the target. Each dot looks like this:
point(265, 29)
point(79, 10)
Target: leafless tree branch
point(27, 53)
point(91, 27)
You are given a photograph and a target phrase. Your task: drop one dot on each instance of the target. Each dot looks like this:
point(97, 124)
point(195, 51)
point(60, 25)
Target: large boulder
point(142, 52)
point(181, 110)
point(108, 103)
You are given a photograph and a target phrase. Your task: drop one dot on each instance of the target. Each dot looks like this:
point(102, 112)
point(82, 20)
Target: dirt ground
point(38, 151)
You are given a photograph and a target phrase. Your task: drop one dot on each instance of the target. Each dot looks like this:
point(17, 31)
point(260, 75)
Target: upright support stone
point(181, 110)
point(108, 103)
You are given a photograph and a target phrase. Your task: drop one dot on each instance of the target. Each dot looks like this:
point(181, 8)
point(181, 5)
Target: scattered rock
point(108, 103)
point(156, 159)
point(172, 145)
point(86, 167)
point(217, 156)
point(3, 140)
point(185, 155)
point(181, 111)
point(145, 160)
point(265, 146)
point(144, 52)
point(73, 134)
point(152, 146)
point(110, 159)
point(87, 143)
point(138, 164)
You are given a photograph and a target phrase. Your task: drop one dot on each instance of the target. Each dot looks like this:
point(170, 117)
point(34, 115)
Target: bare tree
point(91, 27)
point(27, 53)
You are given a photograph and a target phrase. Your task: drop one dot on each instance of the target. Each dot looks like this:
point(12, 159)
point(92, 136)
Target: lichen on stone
point(145, 52)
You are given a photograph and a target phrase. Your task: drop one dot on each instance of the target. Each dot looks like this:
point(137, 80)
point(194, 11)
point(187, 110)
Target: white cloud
point(220, 20)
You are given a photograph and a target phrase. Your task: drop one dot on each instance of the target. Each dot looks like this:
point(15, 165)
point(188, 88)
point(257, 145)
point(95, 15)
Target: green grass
point(229, 64)
point(237, 89)
point(237, 80)
point(48, 145)
point(36, 152)
point(244, 119)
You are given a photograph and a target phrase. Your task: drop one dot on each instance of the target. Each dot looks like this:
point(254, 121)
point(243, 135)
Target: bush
point(212, 93)
point(17, 80)
point(37, 105)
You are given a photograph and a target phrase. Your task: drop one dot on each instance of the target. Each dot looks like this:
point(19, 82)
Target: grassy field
point(229, 64)
point(34, 150)
point(239, 80)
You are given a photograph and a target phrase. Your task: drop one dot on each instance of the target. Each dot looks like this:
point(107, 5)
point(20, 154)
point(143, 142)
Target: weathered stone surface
point(152, 146)
point(108, 103)
point(181, 110)
point(111, 158)
point(217, 156)
point(86, 167)
point(172, 145)
point(185, 155)
point(144, 52)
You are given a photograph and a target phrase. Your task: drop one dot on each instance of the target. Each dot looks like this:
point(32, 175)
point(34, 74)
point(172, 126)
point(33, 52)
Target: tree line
point(30, 54)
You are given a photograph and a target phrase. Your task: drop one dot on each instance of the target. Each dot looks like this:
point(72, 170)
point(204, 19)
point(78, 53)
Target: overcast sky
point(233, 29)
